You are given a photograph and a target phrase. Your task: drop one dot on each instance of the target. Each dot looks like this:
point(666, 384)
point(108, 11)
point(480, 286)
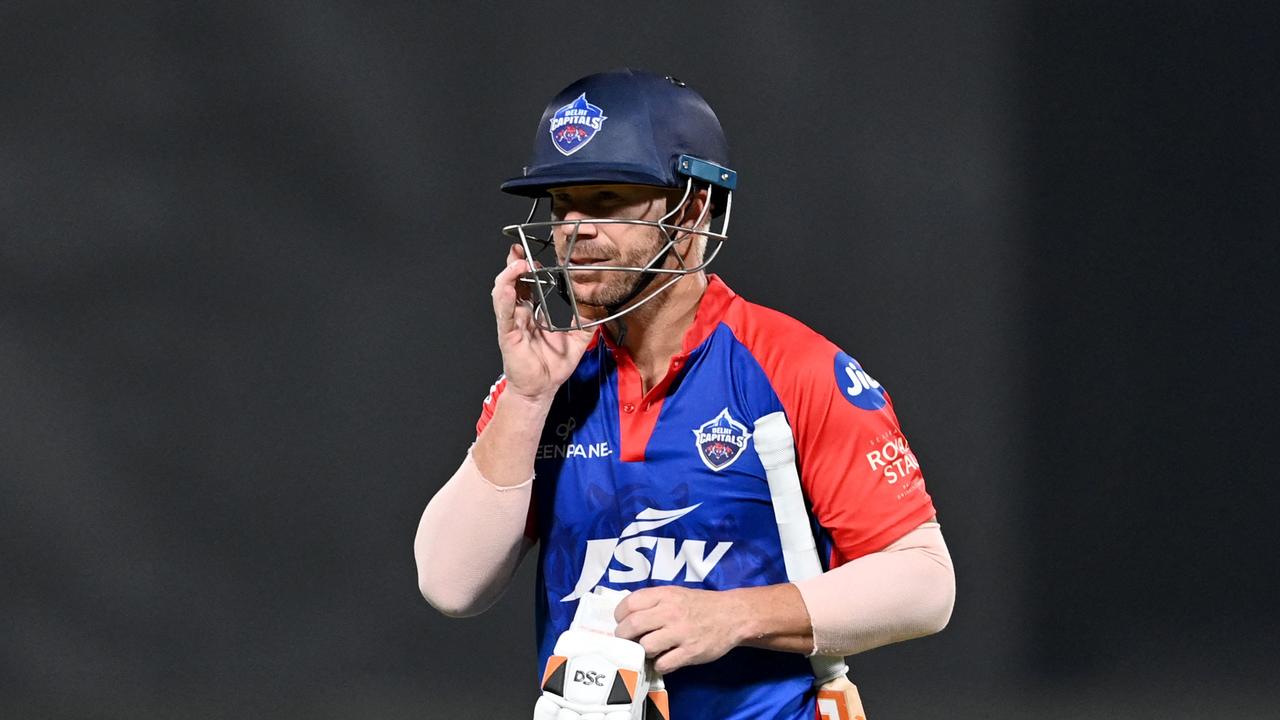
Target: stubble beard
point(610, 288)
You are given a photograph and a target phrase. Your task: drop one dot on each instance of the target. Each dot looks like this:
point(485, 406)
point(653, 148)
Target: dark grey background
point(244, 332)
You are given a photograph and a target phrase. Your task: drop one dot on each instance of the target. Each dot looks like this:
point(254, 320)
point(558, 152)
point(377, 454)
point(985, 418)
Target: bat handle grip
point(656, 705)
point(826, 669)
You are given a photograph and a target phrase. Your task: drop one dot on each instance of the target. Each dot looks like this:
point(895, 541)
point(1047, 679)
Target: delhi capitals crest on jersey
point(721, 440)
point(575, 124)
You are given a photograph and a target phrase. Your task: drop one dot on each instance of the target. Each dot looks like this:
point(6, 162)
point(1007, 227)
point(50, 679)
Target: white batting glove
point(592, 675)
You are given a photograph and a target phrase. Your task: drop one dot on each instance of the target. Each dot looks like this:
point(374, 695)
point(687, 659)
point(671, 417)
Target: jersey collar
point(711, 309)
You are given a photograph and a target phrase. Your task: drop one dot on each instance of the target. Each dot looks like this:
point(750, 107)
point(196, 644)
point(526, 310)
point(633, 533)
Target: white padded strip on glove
point(593, 675)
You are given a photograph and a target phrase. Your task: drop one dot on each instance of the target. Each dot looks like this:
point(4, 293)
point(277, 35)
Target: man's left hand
point(678, 626)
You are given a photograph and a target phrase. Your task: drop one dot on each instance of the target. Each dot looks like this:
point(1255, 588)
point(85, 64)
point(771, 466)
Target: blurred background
point(245, 257)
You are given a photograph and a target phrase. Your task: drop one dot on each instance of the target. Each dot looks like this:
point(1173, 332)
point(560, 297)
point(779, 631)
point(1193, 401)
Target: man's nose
point(572, 224)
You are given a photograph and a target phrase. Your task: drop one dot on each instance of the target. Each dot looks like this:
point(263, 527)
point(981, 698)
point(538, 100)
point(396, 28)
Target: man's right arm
point(505, 450)
point(470, 541)
point(473, 533)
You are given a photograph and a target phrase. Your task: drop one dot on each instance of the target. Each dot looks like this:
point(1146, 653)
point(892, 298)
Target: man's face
point(608, 243)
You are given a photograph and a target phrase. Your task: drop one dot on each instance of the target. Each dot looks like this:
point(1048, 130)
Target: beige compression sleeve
point(470, 541)
point(905, 591)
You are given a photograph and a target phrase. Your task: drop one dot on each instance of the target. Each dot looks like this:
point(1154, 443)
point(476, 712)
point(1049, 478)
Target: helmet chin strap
point(647, 277)
point(641, 284)
point(644, 281)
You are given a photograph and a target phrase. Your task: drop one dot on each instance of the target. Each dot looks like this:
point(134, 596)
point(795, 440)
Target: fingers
point(639, 623)
point(568, 347)
point(675, 626)
point(642, 619)
point(523, 314)
point(641, 599)
point(660, 641)
point(516, 254)
point(504, 295)
point(673, 660)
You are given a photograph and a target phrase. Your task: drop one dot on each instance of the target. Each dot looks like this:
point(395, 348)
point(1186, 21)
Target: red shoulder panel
point(860, 476)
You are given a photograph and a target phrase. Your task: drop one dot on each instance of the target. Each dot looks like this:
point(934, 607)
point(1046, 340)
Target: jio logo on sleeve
point(856, 385)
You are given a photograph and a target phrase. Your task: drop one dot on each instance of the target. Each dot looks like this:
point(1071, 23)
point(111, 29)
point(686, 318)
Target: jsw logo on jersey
point(633, 565)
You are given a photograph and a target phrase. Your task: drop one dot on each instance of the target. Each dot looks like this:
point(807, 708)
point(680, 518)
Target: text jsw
point(629, 551)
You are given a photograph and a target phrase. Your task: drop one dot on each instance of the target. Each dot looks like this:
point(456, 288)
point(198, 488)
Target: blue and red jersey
point(635, 489)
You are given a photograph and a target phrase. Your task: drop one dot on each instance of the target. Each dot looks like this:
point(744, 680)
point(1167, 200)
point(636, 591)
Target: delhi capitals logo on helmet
point(575, 124)
point(721, 440)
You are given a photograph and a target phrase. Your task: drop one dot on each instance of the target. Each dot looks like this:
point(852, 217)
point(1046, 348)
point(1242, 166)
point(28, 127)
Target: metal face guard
point(548, 284)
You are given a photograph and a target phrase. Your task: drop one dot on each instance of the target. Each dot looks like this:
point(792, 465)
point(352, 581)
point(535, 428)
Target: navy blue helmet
point(623, 127)
point(626, 126)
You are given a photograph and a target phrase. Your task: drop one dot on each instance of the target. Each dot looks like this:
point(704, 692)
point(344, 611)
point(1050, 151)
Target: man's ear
point(693, 210)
